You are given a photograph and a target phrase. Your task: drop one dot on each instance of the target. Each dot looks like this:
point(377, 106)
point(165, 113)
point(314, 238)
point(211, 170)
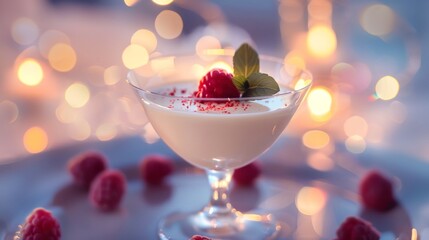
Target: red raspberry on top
point(217, 84)
point(247, 175)
point(198, 237)
point(155, 168)
point(85, 167)
point(357, 229)
point(40, 224)
point(108, 189)
point(376, 192)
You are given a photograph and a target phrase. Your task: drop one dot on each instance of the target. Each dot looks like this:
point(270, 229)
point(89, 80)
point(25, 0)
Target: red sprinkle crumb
point(172, 92)
point(225, 107)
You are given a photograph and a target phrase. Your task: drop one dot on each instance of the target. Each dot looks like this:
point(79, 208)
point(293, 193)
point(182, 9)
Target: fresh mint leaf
point(245, 61)
point(261, 84)
point(240, 83)
point(247, 78)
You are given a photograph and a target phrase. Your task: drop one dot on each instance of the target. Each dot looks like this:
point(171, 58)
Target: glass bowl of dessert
point(219, 112)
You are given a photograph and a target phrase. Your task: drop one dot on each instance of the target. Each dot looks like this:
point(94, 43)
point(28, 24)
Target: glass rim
point(309, 80)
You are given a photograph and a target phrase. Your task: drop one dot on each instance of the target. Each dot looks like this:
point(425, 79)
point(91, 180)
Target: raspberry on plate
point(199, 237)
point(217, 84)
point(155, 168)
point(85, 167)
point(247, 175)
point(40, 224)
point(357, 229)
point(376, 192)
point(108, 189)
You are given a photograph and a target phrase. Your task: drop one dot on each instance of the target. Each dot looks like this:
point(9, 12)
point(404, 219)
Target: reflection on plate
point(311, 200)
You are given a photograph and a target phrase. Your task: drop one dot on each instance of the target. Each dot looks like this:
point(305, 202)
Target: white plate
point(42, 181)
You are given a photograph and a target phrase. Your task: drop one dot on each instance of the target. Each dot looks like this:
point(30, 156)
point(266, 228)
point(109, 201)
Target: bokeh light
point(220, 51)
point(319, 101)
point(62, 57)
point(9, 111)
point(126, 104)
point(135, 56)
point(343, 72)
point(277, 201)
point(30, 72)
point(387, 88)
point(163, 2)
point(145, 38)
point(130, 3)
point(341, 67)
point(315, 139)
point(145, 71)
point(205, 43)
point(355, 144)
point(106, 132)
point(50, 38)
point(149, 135)
point(24, 31)
point(414, 234)
point(352, 78)
point(168, 24)
point(320, 10)
point(222, 65)
point(378, 19)
point(35, 140)
point(291, 11)
point(301, 83)
point(356, 125)
point(77, 95)
point(321, 41)
point(377, 135)
point(310, 200)
point(198, 70)
point(162, 65)
point(79, 130)
point(320, 161)
point(294, 62)
point(65, 113)
point(112, 75)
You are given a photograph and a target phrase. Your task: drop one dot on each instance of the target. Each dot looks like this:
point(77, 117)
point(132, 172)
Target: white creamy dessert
point(224, 135)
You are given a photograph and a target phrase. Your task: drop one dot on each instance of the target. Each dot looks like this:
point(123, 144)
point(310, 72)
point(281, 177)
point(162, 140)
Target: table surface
point(285, 175)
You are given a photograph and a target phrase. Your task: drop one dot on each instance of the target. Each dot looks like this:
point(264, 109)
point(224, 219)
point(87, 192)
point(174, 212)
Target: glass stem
point(219, 205)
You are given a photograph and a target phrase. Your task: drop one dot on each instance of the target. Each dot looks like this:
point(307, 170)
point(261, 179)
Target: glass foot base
point(183, 226)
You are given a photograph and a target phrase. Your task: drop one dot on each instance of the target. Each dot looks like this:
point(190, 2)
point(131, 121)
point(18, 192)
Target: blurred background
point(63, 65)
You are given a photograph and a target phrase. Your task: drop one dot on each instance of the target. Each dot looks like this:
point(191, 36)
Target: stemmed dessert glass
point(217, 135)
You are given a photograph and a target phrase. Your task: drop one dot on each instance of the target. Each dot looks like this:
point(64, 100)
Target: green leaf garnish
point(240, 82)
point(261, 84)
point(245, 61)
point(247, 78)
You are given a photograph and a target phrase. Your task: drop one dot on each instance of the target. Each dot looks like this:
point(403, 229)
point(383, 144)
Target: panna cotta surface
point(216, 134)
